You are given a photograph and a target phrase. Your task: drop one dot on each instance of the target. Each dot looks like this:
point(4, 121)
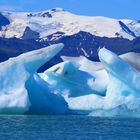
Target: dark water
point(68, 128)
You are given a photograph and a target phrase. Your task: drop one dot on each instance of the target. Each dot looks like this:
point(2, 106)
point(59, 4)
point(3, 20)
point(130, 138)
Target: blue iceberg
point(109, 88)
point(70, 80)
point(22, 90)
point(124, 84)
point(123, 90)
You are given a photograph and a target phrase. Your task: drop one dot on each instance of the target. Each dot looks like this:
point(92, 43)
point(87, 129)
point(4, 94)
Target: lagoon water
point(22, 127)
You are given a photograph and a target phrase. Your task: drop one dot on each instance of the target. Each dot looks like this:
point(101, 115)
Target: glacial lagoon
point(67, 127)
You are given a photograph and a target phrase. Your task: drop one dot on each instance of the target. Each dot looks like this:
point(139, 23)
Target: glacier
point(110, 87)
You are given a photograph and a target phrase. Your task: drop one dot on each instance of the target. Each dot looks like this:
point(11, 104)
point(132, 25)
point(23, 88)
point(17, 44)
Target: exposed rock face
point(30, 34)
point(3, 21)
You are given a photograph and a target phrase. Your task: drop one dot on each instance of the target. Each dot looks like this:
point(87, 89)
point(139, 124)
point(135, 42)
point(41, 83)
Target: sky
point(120, 9)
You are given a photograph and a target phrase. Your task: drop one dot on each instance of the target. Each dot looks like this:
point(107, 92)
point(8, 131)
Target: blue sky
point(110, 8)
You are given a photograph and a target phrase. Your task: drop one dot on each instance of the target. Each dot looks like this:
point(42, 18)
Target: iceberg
point(21, 89)
point(68, 78)
point(123, 91)
point(97, 69)
point(43, 99)
point(124, 83)
point(94, 68)
point(122, 96)
point(110, 87)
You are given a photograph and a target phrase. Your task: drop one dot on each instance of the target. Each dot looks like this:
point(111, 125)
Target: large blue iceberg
point(21, 88)
point(120, 93)
point(76, 86)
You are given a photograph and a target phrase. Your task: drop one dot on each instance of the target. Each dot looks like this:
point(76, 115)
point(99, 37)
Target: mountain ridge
point(81, 35)
point(59, 20)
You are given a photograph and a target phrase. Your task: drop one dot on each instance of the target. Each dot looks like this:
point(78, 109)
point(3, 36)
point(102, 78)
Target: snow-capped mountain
point(57, 20)
point(82, 35)
point(134, 26)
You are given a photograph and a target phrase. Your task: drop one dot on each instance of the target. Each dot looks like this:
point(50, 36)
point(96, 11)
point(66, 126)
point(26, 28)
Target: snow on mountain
point(133, 26)
point(57, 20)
